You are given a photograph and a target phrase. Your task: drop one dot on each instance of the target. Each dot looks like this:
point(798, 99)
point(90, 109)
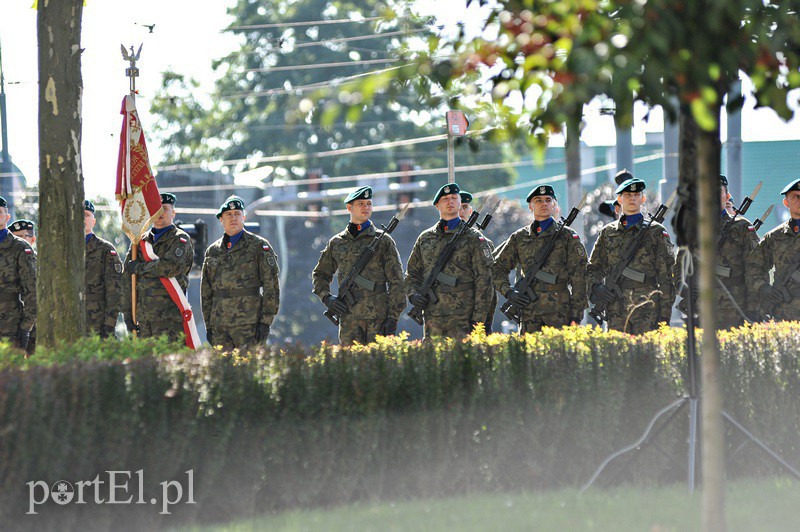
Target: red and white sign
point(457, 124)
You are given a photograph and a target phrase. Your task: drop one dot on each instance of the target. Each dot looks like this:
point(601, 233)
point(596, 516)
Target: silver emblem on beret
point(446, 190)
point(541, 190)
point(634, 187)
point(367, 194)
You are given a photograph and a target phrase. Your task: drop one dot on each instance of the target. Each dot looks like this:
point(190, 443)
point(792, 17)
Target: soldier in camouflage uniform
point(24, 229)
point(156, 313)
point(647, 289)
point(464, 213)
point(380, 296)
point(464, 290)
point(560, 285)
point(17, 284)
point(102, 278)
point(732, 263)
point(779, 249)
point(239, 287)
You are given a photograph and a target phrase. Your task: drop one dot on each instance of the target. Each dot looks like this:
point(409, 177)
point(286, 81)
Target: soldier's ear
point(785, 203)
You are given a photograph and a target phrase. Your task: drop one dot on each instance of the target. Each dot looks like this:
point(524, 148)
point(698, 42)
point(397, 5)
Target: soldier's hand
point(602, 294)
point(388, 327)
point(131, 326)
point(418, 300)
point(134, 267)
point(262, 332)
point(517, 298)
point(22, 338)
point(336, 305)
point(771, 294)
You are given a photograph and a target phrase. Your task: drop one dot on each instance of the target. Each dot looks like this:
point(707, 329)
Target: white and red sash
point(178, 297)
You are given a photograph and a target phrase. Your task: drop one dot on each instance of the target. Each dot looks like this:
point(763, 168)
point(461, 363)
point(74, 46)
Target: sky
point(186, 38)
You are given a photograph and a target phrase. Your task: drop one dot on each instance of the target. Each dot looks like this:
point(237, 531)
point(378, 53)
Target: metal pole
point(5, 166)
point(451, 158)
point(133, 72)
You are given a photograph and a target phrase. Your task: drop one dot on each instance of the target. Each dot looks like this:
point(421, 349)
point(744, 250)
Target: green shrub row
point(296, 426)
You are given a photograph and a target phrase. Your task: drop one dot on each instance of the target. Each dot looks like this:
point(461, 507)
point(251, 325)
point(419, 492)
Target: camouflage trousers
point(170, 324)
point(638, 316)
point(235, 337)
point(10, 318)
point(536, 322)
point(361, 331)
point(448, 326)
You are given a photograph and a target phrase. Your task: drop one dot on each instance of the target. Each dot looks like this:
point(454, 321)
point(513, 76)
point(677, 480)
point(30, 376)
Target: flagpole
point(133, 72)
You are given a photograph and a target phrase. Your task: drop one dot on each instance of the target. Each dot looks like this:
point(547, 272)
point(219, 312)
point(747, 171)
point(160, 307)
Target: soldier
point(464, 213)
point(779, 249)
point(239, 287)
point(464, 290)
point(561, 290)
point(156, 312)
point(646, 285)
point(380, 296)
point(102, 277)
point(610, 208)
point(25, 230)
point(731, 265)
point(17, 284)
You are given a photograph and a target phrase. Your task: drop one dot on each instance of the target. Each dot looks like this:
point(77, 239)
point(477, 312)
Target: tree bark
point(61, 246)
point(573, 153)
point(713, 436)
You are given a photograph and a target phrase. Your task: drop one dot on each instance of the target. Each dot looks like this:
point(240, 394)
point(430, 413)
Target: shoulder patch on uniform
point(28, 251)
point(179, 252)
point(183, 240)
point(113, 253)
point(265, 247)
point(575, 235)
point(664, 233)
point(118, 267)
point(751, 228)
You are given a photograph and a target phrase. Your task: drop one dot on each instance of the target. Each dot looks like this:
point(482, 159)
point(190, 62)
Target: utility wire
point(304, 23)
point(321, 65)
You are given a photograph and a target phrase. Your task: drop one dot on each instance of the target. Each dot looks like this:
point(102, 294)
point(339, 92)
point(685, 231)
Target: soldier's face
point(25, 235)
point(4, 217)
point(166, 216)
point(88, 222)
point(792, 202)
point(232, 221)
point(448, 206)
point(724, 197)
point(465, 211)
point(631, 202)
point(360, 210)
point(542, 207)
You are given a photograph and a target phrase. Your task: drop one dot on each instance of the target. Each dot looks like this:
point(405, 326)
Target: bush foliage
point(297, 426)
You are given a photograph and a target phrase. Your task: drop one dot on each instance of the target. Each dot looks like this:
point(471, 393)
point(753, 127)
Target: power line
point(337, 40)
point(304, 23)
point(321, 65)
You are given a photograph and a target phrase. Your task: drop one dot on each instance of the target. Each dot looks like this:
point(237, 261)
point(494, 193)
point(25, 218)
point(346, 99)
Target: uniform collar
point(538, 227)
point(3, 234)
point(448, 226)
point(629, 221)
point(158, 233)
point(89, 237)
point(229, 241)
point(357, 229)
point(794, 226)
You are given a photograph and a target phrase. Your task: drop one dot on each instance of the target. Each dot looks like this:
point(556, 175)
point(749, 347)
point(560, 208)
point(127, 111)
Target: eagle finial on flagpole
point(132, 71)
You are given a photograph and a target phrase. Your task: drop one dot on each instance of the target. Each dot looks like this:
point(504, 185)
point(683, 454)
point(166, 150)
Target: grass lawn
point(772, 505)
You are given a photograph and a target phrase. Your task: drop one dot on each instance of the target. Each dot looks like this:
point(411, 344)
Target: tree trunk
point(573, 154)
point(713, 436)
point(61, 247)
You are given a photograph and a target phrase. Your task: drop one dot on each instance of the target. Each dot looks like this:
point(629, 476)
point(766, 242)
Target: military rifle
point(436, 275)
point(790, 273)
point(347, 290)
point(725, 230)
point(619, 270)
point(760, 221)
point(487, 217)
point(534, 271)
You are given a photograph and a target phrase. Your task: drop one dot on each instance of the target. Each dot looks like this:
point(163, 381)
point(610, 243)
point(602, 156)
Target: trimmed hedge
point(295, 426)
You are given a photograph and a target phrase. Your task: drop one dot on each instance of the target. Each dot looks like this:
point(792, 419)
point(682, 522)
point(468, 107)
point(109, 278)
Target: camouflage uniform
point(732, 263)
point(103, 272)
point(779, 248)
point(461, 306)
point(239, 289)
point(386, 301)
point(17, 286)
point(156, 312)
point(559, 303)
point(653, 297)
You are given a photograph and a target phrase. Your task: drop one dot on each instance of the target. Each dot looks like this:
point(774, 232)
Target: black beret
point(21, 225)
point(3, 202)
point(449, 188)
point(233, 203)
point(607, 208)
point(466, 197)
point(541, 190)
point(359, 193)
point(88, 206)
point(723, 181)
point(622, 176)
point(631, 185)
point(794, 185)
point(168, 199)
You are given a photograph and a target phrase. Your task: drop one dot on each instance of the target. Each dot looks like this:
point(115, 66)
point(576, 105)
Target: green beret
point(233, 203)
point(723, 181)
point(168, 199)
point(21, 225)
point(88, 206)
point(466, 197)
point(446, 190)
point(541, 190)
point(359, 193)
point(622, 176)
point(3, 202)
point(607, 208)
point(794, 185)
point(631, 185)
